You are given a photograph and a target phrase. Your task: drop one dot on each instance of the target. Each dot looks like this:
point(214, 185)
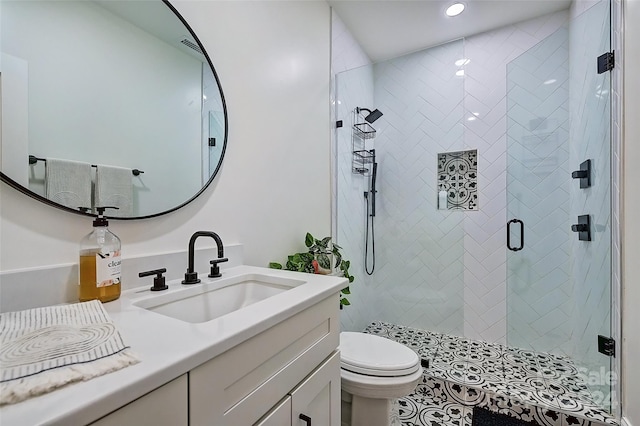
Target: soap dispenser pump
point(100, 268)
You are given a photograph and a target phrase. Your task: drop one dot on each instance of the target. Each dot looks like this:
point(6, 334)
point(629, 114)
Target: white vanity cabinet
point(292, 367)
point(280, 415)
point(318, 396)
point(165, 406)
point(314, 401)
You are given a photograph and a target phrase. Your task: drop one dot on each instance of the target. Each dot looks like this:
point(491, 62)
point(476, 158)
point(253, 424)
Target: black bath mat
point(483, 417)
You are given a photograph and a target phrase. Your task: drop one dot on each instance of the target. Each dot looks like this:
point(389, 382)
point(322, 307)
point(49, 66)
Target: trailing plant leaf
point(317, 256)
point(337, 255)
point(323, 261)
point(308, 240)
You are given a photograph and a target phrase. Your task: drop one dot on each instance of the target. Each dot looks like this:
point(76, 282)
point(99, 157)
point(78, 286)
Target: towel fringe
point(26, 387)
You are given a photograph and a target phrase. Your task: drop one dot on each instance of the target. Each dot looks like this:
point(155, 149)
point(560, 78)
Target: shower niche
point(458, 180)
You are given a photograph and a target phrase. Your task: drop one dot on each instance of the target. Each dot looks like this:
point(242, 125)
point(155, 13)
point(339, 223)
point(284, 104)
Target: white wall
point(631, 225)
point(273, 62)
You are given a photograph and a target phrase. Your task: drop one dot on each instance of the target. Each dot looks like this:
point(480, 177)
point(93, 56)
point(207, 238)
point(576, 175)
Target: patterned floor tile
point(547, 417)
point(543, 388)
point(487, 376)
point(467, 418)
point(447, 414)
point(408, 409)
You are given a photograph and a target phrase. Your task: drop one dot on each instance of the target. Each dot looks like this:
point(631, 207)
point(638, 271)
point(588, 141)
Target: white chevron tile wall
point(420, 250)
point(538, 188)
point(485, 102)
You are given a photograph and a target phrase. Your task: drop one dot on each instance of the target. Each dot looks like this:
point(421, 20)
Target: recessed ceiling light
point(551, 81)
point(460, 73)
point(462, 61)
point(455, 9)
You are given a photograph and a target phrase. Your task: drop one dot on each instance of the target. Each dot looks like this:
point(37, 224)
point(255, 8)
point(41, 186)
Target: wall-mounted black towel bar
point(33, 160)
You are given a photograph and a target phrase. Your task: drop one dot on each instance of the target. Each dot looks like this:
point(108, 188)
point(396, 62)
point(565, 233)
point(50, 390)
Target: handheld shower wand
point(372, 188)
point(370, 199)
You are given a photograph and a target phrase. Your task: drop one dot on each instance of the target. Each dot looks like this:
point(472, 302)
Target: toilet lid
point(376, 356)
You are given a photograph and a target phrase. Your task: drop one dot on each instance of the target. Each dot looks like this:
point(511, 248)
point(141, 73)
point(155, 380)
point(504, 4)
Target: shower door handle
point(521, 235)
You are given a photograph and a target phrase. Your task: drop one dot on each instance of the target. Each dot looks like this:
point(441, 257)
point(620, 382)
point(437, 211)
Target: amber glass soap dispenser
point(100, 262)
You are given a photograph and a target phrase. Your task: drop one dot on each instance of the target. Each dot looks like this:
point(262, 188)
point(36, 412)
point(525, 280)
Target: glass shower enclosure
point(518, 268)
point(559, 192)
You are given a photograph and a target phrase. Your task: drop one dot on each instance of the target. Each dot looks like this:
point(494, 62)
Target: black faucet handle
point(159, 281)
point(215, 269)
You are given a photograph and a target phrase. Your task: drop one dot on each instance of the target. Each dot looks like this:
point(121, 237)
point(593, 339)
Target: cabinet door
point(165, 406)
point(280, 415)
point(317, 399)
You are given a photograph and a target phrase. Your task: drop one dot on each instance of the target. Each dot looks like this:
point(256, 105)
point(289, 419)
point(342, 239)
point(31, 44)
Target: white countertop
point(167, 347)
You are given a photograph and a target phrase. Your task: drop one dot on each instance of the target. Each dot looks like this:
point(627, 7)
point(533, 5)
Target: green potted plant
point(317, 260)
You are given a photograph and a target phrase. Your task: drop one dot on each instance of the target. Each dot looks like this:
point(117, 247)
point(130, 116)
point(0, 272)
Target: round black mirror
point(108, 102)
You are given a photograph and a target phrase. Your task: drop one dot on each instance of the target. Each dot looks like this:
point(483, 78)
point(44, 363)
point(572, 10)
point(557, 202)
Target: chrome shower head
point(372, 116)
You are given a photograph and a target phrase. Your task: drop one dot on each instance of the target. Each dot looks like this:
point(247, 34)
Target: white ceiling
point(389, 28)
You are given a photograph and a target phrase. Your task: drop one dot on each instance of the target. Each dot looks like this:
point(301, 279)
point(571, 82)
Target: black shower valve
point(584, 174)
point(583, 228)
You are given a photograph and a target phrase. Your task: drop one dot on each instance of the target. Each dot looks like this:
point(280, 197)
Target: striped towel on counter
point(43, 349)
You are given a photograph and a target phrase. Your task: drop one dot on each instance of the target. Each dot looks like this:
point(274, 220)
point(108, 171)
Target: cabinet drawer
point(239, 386)
point(166, 406)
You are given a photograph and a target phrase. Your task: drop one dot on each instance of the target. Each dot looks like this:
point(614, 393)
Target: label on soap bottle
point(108, 268)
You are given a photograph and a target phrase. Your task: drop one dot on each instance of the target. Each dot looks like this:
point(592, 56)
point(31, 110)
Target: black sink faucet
point(191, 276)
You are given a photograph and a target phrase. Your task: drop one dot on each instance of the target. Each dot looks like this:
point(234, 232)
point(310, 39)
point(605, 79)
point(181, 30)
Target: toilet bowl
point(374, 372)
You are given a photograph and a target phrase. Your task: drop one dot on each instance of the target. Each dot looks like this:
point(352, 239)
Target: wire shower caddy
point(362, 157)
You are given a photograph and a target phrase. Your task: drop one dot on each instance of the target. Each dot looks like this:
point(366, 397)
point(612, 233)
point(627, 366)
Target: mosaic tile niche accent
point(458, 176)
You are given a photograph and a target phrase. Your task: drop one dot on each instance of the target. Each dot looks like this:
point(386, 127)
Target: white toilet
point(374, 372)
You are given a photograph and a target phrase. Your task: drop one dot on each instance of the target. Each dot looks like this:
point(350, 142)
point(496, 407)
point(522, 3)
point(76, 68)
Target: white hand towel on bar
point(114, 187)
point(68, 182)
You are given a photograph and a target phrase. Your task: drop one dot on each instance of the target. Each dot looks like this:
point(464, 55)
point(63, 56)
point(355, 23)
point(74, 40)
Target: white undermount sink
point(204, 302)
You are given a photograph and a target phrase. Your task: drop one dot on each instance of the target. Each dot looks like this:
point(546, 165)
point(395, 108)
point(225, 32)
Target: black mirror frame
point(6, 179)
